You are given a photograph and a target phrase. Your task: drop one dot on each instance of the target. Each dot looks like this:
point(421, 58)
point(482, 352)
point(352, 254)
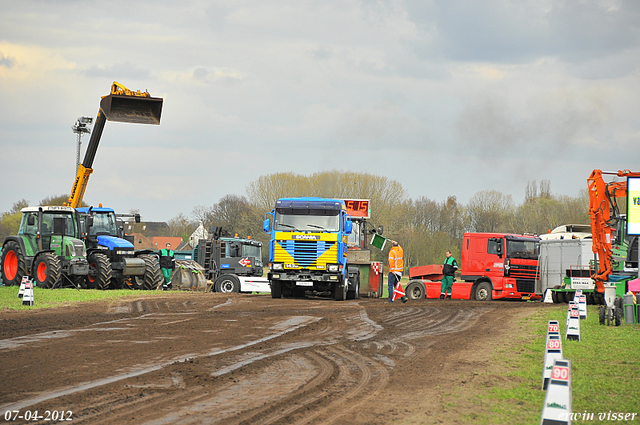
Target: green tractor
point(47, 248)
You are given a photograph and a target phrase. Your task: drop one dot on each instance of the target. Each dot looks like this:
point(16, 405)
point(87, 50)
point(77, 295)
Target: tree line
point(426, 228)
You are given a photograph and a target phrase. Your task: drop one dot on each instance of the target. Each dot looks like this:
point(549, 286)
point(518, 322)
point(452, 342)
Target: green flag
point(378, 241)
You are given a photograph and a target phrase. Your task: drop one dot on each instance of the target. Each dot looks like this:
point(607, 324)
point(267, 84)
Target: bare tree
point(489, 210)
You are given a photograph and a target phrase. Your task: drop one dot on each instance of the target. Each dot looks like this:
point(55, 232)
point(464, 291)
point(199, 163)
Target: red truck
point(493, 266)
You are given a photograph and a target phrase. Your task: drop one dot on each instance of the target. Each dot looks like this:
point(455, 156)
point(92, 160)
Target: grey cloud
point(509, 31)
point(6, 62)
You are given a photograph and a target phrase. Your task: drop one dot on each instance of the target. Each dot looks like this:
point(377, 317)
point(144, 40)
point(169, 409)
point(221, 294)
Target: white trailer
point(559, 255)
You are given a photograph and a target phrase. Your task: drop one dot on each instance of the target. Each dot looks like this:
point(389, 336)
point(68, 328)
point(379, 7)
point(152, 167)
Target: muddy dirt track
point(193, 358)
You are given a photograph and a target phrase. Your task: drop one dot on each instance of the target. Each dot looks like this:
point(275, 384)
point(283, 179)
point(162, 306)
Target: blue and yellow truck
point(308, 249)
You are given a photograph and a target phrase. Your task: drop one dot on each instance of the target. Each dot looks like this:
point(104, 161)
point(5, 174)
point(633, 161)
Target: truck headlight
point(333, 268)
point(278, 266)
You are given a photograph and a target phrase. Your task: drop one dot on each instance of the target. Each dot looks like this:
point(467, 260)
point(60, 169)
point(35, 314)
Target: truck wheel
point(340, 291)
point(554, 296)
point(46, 270)
point(483, 292)
point(99, 271)
point(416, 290)
point(152, 277)
point(355, 293)
point(227, 283)
point(13, 266)
point(276, 289)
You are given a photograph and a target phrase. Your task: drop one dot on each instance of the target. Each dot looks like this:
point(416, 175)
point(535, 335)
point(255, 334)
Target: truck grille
point(526, 285)
point(521, 271)
point(305, 252)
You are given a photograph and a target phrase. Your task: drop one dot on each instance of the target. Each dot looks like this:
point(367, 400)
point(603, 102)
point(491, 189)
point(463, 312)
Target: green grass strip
point(47, 298)
point(605, 372)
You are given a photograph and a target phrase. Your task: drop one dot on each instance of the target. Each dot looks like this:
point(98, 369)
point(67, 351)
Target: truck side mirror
point(88, 221)
point(348, 227)
point(136, 217)
point(31, 220)
point(266, 225)
point(499, 247)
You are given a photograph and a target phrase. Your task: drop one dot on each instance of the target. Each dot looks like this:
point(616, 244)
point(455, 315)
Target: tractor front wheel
point(46, 270)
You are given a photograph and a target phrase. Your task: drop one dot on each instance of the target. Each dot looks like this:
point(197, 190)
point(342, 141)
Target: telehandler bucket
point(134, 109)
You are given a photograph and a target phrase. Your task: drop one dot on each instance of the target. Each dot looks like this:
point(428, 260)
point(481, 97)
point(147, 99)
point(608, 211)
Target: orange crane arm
point(603, 211)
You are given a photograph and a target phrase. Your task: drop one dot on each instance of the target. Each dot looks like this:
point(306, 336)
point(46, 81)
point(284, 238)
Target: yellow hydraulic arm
point(121, 105)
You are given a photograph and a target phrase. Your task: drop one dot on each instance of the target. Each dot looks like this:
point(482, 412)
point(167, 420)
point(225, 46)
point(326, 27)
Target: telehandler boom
point(121, 105)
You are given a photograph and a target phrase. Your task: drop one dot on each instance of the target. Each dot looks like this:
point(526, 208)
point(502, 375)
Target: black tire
point(355, 293)
point(276, 289)
point(602, 312)
point(340, 291)
point(152, 277)
point(617, 315)
point(483, 292)
point(416, 290)
point(100, 272)
point(13, 264)
point(46, 270)
point(554, 297)
point(227, 283)
point(569, 296)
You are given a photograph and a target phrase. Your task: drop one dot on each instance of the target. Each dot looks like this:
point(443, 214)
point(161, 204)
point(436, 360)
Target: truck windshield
point(306, 222)
point(522, 249)
point(103, 224)
point(251, 251)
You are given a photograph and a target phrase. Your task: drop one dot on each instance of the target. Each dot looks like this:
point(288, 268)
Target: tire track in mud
point(323, 369)
point(416, 323)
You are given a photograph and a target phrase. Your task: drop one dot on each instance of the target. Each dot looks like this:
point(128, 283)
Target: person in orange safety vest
point(396, 267)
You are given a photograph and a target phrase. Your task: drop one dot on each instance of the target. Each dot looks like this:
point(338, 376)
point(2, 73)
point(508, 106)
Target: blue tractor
point(113, 261)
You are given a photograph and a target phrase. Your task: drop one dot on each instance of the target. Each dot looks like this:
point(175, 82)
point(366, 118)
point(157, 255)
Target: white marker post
point(552, 352)
point(582, 306)
point(573, 322)
point(557, 407)
point(27, 297)
point(21, 290)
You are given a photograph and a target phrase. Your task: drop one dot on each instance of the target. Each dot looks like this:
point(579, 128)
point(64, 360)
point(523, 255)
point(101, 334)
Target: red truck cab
point(500, 265)
point(493, 266)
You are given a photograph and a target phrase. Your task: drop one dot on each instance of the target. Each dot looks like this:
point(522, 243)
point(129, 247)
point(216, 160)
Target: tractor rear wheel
point(46, 270)
point(100, 272)
point(152, 278)
point(13, 265)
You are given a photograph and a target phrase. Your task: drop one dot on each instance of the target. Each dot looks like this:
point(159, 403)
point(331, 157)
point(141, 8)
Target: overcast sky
point(446, 97)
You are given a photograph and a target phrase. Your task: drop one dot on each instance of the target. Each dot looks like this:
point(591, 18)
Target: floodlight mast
point(80, 128)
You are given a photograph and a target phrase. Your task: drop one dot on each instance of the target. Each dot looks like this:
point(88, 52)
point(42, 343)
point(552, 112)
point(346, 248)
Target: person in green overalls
point(167, 264)
point(448, 272)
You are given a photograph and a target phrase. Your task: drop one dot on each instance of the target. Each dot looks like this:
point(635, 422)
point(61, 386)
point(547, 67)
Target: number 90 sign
point(560, 373)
